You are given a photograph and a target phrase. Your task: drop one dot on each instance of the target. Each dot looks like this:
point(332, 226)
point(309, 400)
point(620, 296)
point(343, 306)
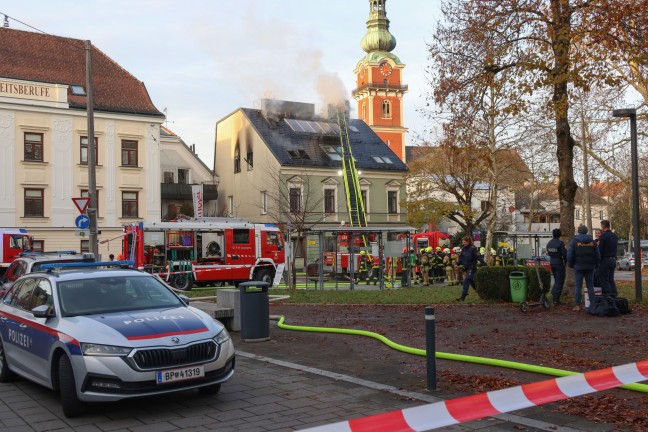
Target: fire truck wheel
point(264, 276)
point(182, 282)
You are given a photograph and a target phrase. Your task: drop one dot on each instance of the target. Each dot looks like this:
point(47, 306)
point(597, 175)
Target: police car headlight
point(91, 349)
point(222, 337)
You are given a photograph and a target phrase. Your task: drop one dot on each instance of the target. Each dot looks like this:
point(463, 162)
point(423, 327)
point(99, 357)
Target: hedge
point(493, 282)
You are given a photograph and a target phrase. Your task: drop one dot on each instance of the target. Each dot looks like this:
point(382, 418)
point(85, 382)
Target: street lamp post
point(631, 113)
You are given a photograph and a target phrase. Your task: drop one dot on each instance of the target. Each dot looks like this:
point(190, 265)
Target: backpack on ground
point(623, 305)
point(604, 306)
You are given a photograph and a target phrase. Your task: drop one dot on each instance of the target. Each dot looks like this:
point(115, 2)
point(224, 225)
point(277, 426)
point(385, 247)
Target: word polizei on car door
point(98, 333)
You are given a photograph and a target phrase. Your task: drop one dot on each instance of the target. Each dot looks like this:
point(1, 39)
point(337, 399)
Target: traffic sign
point(82, 233)
point(82, 222)
point(81, 203)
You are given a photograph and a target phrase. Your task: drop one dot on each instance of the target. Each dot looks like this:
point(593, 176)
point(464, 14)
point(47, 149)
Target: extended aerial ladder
point(355, 204)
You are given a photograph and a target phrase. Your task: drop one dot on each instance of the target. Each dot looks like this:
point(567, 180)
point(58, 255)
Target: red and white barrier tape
point(446, 413)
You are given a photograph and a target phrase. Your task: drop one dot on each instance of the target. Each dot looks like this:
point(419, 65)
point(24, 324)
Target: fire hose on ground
point(643, 388)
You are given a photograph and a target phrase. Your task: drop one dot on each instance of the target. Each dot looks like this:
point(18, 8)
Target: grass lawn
point(412, 296)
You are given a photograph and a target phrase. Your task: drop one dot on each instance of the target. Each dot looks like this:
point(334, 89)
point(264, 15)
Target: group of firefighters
point(429, 266)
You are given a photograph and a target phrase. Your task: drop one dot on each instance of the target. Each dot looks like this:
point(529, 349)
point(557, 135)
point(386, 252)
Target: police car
point(98, 333)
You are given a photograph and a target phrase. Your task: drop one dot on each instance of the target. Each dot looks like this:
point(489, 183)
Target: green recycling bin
point(519, 286)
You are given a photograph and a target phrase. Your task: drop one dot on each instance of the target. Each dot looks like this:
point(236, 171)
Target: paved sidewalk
point(264, 395)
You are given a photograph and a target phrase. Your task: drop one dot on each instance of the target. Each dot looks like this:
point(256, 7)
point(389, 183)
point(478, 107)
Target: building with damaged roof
point(283, 159)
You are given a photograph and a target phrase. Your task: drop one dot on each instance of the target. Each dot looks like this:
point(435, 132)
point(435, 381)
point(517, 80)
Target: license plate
point(173, 375)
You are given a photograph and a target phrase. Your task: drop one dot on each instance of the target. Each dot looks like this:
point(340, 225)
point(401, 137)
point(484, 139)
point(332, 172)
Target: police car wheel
point(210, 389)
point(5, 374)
point(264, 276)
point(182, 282)
point(72, 406)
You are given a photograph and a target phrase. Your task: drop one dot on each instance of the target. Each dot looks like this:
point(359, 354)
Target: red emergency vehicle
point(431, 238)
point(14, 242)
point(205, 252)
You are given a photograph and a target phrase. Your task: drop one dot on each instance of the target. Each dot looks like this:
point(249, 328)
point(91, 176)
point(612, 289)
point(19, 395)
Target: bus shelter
point(526, 244)
point(335, 252)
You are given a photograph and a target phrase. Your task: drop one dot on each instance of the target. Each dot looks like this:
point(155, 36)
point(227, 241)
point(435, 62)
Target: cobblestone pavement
point(264, 395)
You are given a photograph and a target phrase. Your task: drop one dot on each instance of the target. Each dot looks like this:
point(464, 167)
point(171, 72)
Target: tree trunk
point(565, 143)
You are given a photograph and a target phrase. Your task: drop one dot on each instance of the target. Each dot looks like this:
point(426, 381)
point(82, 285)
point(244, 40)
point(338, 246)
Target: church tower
point(379, 80)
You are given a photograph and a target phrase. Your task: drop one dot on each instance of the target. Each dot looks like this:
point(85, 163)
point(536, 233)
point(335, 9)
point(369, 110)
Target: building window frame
point(38, 246)
point(237, 159)
point(386, 108)
point(330, 201)
point(33, 146)
point(83, 150)
point(230, 206)
point(130, 204)
point(392, 201)
point(183, 176)
point(264, 202)
point(34, 202)
point(129, 153)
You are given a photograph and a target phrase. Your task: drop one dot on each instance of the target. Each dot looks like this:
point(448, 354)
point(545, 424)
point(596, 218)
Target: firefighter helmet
point(362, 252)
point(510, 249)
point(493, 251)
point(438, 248)
point(482, 250)
point(456, 249)
point(428, 249)
point(446, 250)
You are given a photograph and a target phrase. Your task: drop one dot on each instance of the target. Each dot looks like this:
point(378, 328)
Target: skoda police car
point(98, 333)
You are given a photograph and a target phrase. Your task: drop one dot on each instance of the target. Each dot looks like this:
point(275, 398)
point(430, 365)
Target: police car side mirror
point(184, 299)
point(42, 311)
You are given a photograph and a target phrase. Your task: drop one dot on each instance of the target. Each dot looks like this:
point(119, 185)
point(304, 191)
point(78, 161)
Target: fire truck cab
point(14, 242)
point(205, 253)
point(431, 238)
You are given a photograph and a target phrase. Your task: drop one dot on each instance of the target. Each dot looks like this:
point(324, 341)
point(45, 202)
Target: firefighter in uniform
point(424, 259)
point(364, 267)
point(449, 267)
point(375, 269)
point(498, 257)
point(458, 269)
point(439, 271)
point(413, 262)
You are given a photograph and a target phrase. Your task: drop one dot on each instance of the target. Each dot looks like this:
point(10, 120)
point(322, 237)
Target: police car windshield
point(114, 294)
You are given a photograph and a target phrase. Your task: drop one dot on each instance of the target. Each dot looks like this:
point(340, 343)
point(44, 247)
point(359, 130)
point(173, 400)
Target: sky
point(202, 59)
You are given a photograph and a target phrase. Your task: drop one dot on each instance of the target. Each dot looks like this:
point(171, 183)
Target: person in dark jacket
point(583, 256)
point(468, 259)
point(608, 249)
point(557, 259)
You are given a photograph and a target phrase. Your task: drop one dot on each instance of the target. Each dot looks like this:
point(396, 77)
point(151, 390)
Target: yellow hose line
point(643, 388)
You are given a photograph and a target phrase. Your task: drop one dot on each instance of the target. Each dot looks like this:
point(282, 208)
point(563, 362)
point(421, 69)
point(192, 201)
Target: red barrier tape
point(446, 413)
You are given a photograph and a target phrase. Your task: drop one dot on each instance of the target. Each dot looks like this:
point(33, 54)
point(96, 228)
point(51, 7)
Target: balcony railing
point(181, 191)
point(380, 86)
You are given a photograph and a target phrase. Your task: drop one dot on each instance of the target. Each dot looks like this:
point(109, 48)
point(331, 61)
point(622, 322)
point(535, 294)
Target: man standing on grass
point(608, 248)
point(583, 256)
point(557, 258)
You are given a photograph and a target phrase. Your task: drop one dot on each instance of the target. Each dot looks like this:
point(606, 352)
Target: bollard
point(430, 349)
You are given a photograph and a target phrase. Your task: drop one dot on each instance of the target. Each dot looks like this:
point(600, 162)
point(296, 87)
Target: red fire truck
point(205, 252)
point(14, 242)
point(431, 238)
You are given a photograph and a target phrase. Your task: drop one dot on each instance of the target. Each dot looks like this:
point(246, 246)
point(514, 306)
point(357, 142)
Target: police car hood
point(146, 327)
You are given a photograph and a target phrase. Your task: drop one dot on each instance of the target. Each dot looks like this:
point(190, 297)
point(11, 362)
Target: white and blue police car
point(98, 333)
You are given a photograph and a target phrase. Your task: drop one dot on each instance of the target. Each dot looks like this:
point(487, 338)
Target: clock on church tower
point(379, 88)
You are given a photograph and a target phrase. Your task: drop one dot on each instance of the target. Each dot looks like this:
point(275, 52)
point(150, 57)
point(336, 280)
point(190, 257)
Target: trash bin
point(519, 286)
point(255, 311)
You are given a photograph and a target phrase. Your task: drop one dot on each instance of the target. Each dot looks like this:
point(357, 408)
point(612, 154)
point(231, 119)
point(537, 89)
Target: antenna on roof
point(6, 22)
point(166, 120)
